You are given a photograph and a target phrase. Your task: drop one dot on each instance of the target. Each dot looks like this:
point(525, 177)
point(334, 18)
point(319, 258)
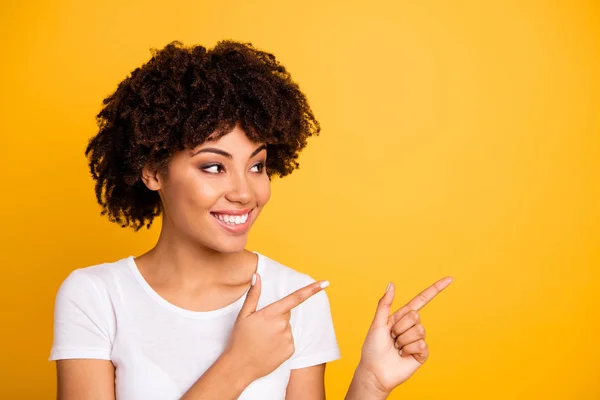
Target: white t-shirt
point(109, 312)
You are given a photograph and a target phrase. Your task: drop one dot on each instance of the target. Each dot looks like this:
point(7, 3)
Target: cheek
point(191, 196)
point(263, 193)
point(202, 195)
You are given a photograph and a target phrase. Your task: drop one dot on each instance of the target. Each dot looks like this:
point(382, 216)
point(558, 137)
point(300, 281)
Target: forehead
point(233, 142)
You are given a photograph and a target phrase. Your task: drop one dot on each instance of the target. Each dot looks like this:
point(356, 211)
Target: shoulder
point(84, 312)
point(93, 280)
point(275, 273)
point(279, 280)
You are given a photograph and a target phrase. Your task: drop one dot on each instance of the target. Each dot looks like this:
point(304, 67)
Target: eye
point(212, 169)
point(260, 165)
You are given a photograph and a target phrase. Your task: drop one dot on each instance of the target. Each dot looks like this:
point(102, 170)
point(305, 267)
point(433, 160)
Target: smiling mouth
point(233, 222)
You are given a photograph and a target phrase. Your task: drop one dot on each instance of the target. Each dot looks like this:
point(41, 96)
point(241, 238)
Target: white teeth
point(232, 219)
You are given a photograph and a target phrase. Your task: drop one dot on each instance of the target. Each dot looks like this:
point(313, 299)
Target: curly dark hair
point(176, 101)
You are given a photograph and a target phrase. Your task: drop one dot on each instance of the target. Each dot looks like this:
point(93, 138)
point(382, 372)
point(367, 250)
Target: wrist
point(365, 379)
point(240, 370)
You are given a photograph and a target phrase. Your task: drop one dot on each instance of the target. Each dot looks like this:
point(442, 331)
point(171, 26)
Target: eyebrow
point(226, 154)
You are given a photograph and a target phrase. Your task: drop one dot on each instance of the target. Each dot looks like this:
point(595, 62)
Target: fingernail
point(324, 284)
point(253, 279)
point(388, 287)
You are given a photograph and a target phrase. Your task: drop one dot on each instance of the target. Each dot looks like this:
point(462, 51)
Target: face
point(214, 192)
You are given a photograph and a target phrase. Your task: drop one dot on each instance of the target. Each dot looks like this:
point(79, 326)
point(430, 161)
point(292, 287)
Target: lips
point(237, 229)
point(232, 212)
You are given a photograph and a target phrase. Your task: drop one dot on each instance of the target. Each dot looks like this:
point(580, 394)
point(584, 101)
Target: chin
point(230, 244)
point(230, 250)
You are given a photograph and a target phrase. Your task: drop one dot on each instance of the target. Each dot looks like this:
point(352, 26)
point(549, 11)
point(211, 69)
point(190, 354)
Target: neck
point(177, 260)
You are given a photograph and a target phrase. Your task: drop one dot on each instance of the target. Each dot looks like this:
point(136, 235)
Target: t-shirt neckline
point(236, 305)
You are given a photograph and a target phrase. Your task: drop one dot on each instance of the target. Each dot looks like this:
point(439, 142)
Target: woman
point(186, 136)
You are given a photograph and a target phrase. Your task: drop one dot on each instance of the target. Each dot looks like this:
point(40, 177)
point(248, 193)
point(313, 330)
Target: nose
point(240, 190)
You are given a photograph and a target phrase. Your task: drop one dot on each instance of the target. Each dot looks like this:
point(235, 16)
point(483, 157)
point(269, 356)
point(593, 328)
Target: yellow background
point(459, 138)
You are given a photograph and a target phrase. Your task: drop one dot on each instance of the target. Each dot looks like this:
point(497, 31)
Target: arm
point(315, 346)
point(85, 379)
point(83, 331)
point(307, 383)
point(224, 380)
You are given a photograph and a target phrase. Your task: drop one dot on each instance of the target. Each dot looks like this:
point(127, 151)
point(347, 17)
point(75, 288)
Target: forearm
point(224, 380)
point(364, 387)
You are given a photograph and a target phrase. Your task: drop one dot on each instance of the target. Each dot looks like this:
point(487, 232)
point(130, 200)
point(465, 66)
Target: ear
point(150, 178)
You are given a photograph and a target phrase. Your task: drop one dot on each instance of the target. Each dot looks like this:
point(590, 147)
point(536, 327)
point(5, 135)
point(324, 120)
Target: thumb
point(383, 307)
point(252, 297)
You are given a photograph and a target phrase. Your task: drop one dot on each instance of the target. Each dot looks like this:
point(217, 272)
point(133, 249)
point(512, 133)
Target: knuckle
point(421, 330)
point(290, 349)
point(299, 297)
point(414, 315)
point(283, 324)
point(422, 345)
point(288, 331)
point(398, 343)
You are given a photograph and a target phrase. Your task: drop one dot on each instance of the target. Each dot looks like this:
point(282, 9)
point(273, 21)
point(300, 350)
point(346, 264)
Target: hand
point(262, 340)
point(395, 345)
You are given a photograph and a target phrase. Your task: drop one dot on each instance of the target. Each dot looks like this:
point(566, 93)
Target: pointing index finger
point(420, 300)
point(296, 298)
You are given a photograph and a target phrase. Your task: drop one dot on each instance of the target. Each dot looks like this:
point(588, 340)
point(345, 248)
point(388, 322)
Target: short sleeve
point(82, 319)
point(315, 339)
